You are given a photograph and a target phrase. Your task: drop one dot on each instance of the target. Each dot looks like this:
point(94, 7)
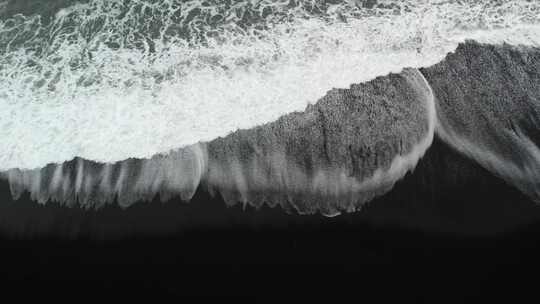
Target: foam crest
point(90, 184)
point(109, 80)
point(284, 168)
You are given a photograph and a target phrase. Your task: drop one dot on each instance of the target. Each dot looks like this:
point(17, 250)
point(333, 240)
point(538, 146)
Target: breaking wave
point(122, 101)
point(111, 79)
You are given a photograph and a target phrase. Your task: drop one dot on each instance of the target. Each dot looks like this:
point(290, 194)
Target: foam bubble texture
point(110, 79)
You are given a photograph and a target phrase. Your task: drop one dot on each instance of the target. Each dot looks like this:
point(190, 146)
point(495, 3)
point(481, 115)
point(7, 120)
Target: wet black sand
point(447, 230)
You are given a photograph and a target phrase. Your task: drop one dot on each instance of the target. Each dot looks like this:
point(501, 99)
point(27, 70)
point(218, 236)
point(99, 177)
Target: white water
point(273, 178)
point(105, 81)
point(526, 178)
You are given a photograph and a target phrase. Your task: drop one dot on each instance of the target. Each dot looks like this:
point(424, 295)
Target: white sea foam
point(110, 79)
point(273, 178)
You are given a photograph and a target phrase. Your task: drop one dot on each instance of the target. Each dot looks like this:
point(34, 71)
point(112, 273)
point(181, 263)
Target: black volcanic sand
point(447, 228)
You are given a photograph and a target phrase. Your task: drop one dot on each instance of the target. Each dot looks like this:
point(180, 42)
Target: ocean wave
point(348, 148)
point(109, 80)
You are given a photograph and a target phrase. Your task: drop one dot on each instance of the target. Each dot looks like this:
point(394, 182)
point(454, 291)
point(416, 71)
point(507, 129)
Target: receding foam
point(488, 108)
